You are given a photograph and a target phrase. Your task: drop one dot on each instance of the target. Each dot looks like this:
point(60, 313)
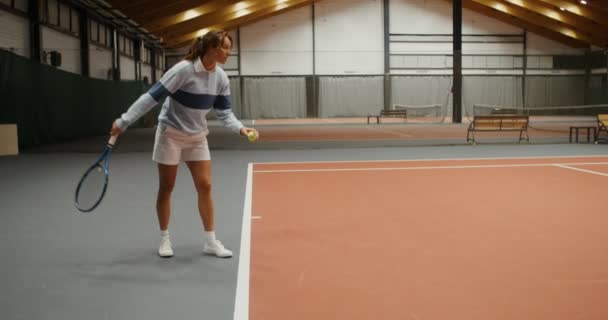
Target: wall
point(67, 45)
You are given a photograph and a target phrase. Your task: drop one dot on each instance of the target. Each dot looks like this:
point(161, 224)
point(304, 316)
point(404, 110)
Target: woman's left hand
point(245, 131)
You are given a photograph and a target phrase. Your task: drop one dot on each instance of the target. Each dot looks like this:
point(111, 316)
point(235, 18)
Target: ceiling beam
point(127, 4)
point(224, 15)
point(536, 19)
point(167, 9)
point(596, 31)
point(524, 24)
point(229, 24)
point(599, 5)
point(573, 7)
point(200, 13)
point(131, 7)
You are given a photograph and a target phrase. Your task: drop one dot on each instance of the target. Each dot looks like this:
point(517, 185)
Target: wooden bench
point(392, 113)
point(499, 122)
point(602, 123)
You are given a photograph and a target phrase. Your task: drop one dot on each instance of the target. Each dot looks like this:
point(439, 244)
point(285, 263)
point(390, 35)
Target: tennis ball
point(251, 136)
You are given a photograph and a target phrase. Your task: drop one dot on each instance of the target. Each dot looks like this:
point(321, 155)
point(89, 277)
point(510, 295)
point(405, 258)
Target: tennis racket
point(94, 182)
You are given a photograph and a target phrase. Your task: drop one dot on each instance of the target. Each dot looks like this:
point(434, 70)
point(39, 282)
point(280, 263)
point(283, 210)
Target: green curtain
point(50, 105)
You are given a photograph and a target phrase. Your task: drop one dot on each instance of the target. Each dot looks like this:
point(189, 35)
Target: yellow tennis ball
point(251, 136)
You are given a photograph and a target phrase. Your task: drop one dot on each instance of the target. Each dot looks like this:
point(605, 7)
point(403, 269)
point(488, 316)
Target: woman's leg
point(201, 174)
point(166, 182)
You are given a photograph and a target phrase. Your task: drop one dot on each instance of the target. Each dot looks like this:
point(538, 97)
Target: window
point(60, 15)
point(20, 5)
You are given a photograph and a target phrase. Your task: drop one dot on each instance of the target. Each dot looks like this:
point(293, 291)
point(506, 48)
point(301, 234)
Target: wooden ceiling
point(566, 21)
point(177, 22)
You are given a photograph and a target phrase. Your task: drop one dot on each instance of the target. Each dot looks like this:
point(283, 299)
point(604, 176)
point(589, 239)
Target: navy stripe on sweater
point(159, 92)
point(194, 100)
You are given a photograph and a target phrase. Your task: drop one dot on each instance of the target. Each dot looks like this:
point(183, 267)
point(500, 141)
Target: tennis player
point(192, 88)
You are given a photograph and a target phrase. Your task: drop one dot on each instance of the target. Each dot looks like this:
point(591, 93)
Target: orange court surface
point(455, 239)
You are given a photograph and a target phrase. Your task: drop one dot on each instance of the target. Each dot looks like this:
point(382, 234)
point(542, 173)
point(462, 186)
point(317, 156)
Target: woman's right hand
point(116, 131)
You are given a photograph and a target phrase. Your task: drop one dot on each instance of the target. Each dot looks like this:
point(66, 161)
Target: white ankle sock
point(209, 236)
point(164, 233)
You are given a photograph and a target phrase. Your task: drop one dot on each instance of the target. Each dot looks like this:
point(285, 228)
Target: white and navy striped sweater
point(191, 92)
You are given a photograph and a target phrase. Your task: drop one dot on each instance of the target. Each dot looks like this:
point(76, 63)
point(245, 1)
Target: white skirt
point(172, 146)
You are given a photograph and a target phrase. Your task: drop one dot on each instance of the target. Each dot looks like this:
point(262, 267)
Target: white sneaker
point(217, 249)
point(165, 250)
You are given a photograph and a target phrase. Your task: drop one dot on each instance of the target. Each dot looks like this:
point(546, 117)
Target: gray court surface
point(58, 263)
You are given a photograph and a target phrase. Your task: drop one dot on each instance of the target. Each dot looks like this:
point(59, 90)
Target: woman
point(192, 88)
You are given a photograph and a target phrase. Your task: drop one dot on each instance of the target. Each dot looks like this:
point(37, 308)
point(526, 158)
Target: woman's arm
point(168, 84)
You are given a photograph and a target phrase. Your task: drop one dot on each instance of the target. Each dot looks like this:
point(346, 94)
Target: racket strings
point(91, 188)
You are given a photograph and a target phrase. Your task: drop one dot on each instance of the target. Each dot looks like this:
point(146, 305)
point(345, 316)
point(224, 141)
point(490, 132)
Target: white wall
point(67, 45)
point(435, 17)
point(279, 45)
point(127, 68)
point(14, 33)
point(100, 61)
point(349, 37)
point(540, 45)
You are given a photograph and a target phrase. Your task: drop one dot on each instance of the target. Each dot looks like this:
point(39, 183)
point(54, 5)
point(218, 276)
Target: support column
point(34, 21)
point(115, 56)
point(524, 100)
point(84, 34)
point(387, 57)
point(153, 65)
point(457, 65)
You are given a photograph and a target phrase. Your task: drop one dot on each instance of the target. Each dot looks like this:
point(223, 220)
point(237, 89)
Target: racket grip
point(112, 140)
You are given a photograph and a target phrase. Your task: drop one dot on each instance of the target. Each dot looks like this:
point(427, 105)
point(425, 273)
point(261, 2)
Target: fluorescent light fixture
point(202, 32)
point(190, 14)
point(241, 5)
point(501, 7)
point(242, 12)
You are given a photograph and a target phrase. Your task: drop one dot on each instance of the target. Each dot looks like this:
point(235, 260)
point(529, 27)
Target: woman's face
point(222, 53)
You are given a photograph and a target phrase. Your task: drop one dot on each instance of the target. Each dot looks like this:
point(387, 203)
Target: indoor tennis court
point(303, 159)
point(483, 238)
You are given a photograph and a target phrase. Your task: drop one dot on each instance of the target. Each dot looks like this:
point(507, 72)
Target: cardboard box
point(9, 144)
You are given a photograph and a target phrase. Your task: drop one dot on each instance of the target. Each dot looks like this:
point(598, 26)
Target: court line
point(582, 170)
point(241, 303)
point(432, 167)
point(443, 159)
point(395, 134)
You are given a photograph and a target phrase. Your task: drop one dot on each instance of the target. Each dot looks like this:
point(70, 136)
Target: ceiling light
point(190, 14)
point(583, 2)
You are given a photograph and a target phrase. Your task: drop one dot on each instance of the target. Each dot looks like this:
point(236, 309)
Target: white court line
point(582, 170)
point(241, 303)
point(432, 167)
point(446, 159)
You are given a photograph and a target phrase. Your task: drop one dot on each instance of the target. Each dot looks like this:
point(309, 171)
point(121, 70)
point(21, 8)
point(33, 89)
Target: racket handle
point(112, 140)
